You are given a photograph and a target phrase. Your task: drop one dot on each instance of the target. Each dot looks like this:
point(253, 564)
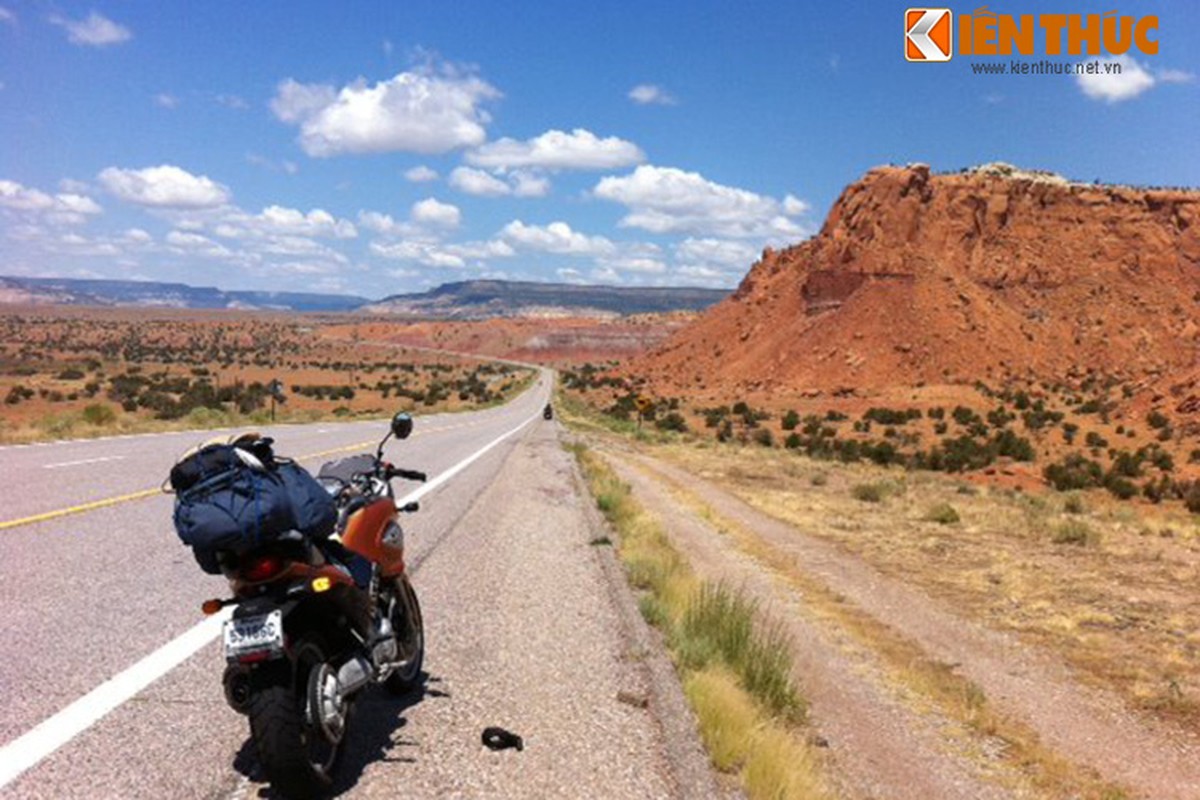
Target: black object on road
point(548, 412)
point(500, 739)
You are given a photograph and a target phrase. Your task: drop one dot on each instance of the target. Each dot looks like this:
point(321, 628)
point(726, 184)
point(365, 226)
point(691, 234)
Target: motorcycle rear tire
point(410, 636)
point(297, 759)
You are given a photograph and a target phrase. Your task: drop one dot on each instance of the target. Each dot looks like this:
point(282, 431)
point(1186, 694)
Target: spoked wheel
point(298, 730)
point(405, 615)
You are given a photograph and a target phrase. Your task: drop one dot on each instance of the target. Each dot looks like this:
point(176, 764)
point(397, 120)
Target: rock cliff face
point(994, 274)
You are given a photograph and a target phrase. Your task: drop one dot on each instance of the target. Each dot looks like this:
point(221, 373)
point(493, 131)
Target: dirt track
point(883, 743)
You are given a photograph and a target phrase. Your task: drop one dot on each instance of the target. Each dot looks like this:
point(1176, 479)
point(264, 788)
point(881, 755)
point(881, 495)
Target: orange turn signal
point(210, 607)
point(322, 584)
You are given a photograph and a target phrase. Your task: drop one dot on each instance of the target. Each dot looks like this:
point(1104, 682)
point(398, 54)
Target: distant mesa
point(153, 294)
point(990, 274)
point(466, 300)
point(489, 299)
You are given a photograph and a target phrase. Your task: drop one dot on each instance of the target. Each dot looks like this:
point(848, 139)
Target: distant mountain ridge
point(478, 299)
point(153, 294)
point(483, 299)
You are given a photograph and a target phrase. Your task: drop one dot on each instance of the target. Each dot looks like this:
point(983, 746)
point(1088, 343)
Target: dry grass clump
point(737, 670)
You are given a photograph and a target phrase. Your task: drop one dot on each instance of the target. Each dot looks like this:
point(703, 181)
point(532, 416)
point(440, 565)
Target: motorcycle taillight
point(262, 568)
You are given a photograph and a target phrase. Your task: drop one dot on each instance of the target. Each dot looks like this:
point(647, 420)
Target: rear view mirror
point(402, 425)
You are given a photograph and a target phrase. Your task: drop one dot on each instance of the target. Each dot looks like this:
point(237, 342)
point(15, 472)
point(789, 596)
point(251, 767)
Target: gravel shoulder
point(524, 632)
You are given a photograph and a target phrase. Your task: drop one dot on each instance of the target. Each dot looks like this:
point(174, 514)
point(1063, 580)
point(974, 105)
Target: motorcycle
point(315, 623)
point(548, 412)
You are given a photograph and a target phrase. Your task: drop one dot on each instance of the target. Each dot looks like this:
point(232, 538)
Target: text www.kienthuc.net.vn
point(1046, 67)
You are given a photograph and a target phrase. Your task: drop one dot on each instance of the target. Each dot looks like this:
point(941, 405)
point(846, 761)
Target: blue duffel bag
point(236, 497)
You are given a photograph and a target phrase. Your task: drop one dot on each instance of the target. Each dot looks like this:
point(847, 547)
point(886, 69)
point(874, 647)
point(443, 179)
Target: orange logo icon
point(928, 34)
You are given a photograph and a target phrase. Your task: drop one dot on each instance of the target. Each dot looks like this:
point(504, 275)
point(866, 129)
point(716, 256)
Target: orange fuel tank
point(373, 532)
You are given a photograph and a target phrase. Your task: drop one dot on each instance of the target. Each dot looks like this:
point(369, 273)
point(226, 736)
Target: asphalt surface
point(86, 594)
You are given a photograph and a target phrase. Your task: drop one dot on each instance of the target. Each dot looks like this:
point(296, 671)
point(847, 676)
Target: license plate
point(254, 634)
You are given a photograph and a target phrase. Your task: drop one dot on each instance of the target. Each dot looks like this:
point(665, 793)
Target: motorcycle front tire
point(410, 635)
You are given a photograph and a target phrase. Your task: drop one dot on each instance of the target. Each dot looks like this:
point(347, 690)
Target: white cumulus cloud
point(638, 264)
point(70, 208)
point(645, 94)
point(442, 256)
point(281, 221)
point(15, 196)
point(420, 174)
point(518, 183)
point(95, 30)
point(433, 212)
point(1131, 80)
point(557, 237)
point(420, 111)
point(166, 100)
point(164, 186)
point(670, 200)
point(185, 243)
point(558, 150)
point(478, 182)
point(724, 253)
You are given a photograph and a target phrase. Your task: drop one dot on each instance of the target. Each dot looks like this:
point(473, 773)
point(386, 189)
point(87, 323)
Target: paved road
point(86, 594)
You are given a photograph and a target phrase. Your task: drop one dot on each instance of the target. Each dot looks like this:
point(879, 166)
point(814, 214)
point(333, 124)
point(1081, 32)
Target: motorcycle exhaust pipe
point(237, 689)
point(354, 675)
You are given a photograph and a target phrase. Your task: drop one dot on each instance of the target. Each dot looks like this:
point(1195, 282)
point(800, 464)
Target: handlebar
point(406, 474)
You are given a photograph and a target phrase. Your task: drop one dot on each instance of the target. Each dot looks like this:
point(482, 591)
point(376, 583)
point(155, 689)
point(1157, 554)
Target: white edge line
point(81, 462)
point(30, 748)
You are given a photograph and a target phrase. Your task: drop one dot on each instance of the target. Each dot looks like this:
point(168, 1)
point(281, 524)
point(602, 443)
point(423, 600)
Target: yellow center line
point(62, 512)
point(125, 498)
point(144, 493)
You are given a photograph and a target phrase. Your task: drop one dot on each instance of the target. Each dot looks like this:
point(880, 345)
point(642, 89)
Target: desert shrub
point(1161, 459)
point(1122, 488)
point(672, 421)
point(1069, 431)
point(999, 417)
point(818, 479)
point(882, 453)
point(1074, 532)
point(965, 416)
point(1074, 505)
point(1156, 419)
point(793, 441)
point(18, 393)
point(1010, 445)
point(70, 374)
point(1159, 490)
point(763, 437)
point(870, 492)
point(790, 420)
point(1093, 439)
point(889, 416)
point(97, 414)
point(942, 514)
point(1191, 497)
point(1074, 472)
point(960, 454)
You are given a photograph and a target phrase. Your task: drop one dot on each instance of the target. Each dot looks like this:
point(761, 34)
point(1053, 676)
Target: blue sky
point(376, 148)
